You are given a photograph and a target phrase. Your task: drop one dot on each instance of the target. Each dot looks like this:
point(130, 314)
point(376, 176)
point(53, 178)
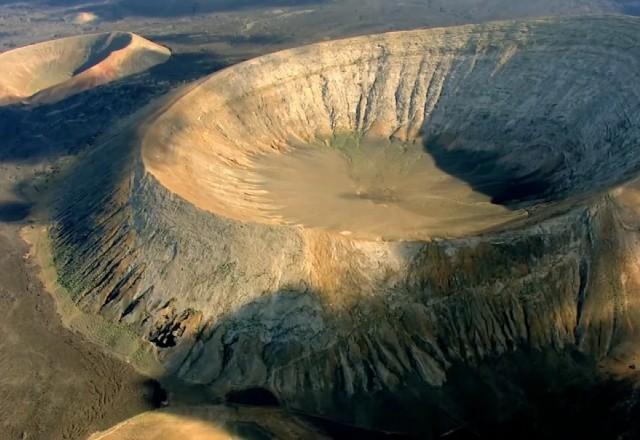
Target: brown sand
point(54, 385)
point(382, 190)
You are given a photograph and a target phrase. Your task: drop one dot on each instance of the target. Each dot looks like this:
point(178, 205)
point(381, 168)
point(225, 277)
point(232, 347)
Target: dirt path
point(54, 385)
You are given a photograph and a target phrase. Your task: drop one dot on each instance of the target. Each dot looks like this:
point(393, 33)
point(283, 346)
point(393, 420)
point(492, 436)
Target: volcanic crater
point(366, 221)
point(455, 131)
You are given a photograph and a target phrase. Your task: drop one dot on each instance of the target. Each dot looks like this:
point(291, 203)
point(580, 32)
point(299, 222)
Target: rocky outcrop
point(348, 328)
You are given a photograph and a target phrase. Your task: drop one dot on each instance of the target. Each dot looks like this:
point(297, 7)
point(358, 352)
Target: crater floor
point(371, 189)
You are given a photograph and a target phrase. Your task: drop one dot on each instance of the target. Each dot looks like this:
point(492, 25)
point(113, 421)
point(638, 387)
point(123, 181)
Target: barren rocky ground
point(54, 384)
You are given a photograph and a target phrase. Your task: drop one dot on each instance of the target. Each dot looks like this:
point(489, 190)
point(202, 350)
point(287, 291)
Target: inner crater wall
point(535, 99)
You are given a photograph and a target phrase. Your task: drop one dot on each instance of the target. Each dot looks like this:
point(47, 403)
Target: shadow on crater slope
point(505, 184)
point(69, 126)
point(523, 133)
point(14, 211)
point(528, 392)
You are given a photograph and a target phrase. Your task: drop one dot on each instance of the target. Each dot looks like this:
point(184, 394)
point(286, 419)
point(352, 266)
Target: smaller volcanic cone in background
point(51, 71)
point(85, 18)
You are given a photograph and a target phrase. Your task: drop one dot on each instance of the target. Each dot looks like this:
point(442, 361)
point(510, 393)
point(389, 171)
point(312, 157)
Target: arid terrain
point(420, 234)
point(53, 384)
